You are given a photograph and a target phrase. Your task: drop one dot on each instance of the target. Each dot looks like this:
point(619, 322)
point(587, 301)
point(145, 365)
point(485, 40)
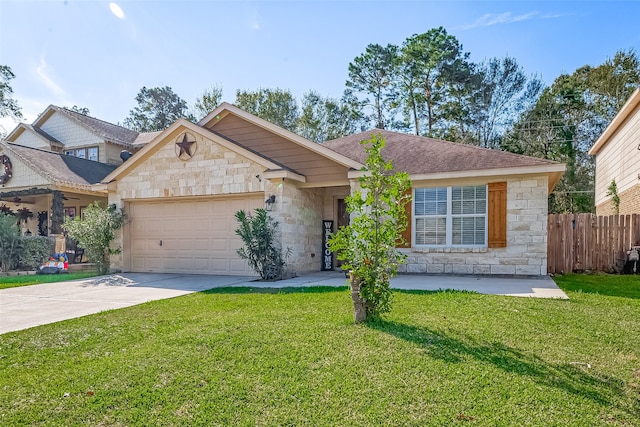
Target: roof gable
point(169, 135)
point(60, 169)
point(224, 109)
point(101, 129)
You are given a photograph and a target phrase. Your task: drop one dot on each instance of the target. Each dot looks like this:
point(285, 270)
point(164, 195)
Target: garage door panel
point(197, 236)
point(201, 244)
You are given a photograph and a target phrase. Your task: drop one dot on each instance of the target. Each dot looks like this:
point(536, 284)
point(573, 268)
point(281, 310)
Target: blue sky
point(98, 54)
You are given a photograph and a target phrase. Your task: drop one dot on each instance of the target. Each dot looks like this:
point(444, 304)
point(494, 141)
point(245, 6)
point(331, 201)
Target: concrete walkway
point(28, 306)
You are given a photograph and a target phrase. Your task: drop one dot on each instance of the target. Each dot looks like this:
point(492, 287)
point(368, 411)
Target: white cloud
point(116, 10)
point(42, 74)
point(489, 19)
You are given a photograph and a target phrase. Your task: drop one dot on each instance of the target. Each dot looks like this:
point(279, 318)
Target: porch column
point(57, 212)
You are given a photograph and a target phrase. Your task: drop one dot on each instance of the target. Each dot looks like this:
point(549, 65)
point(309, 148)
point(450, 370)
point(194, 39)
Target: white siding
point(70, 132)
point(29, 139)
point(619, 159)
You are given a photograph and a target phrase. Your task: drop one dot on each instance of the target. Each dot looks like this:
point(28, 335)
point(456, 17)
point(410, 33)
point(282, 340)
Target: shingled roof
point(420, 155)
point(63, 169)
point(110, 132)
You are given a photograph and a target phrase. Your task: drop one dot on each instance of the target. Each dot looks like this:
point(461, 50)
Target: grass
point(626, 286)
point(235, 357)
point(15, 281)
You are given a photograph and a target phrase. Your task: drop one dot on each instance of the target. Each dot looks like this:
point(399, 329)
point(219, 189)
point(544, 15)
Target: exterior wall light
point(269, 202)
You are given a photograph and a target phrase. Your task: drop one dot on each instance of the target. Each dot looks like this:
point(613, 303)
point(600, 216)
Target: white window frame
point(89, 153)
point(449, 219)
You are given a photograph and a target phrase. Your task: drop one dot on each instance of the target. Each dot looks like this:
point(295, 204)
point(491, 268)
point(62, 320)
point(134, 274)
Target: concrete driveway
point(28, 306)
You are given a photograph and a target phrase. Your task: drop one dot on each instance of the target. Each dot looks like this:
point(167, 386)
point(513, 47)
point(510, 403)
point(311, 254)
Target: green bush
point(258, 234)
point(10, 242)
point(95, 231)
point(35, 251)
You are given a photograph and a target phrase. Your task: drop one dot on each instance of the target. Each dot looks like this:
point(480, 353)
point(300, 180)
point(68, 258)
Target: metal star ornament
point(186, 147)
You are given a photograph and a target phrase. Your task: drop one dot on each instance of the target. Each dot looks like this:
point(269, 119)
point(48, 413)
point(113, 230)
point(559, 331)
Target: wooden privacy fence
point(578, 242)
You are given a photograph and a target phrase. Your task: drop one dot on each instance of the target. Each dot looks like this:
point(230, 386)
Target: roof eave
point(618, 120)
point(225, 107)
point(555, 170)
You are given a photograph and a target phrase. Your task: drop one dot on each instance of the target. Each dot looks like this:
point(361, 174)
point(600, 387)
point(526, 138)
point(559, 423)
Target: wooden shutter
point(497, 215)
point(406, 234)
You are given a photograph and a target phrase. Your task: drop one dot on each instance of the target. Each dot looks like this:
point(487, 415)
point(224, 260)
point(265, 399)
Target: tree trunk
point(359, 305)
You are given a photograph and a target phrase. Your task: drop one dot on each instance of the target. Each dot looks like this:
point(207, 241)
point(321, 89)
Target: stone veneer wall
point(526, 251)
point(211, 171)
point(299, 213)
point(629, 203)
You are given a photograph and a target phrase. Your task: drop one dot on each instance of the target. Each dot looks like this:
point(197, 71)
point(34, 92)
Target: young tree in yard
point(157, 109)
point(95, 232)
point(368, 244)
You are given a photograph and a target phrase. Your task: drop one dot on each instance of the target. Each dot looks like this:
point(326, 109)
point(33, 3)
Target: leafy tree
point(207, 102)
point(323, 119)
point(372, 74)
point(10, 242)
point(8, 105)
point(368, 244)
point(566, 120)
point(260, 247)
point(429, 64)
point(157, 109)
point(504, 91)
point(276, 106)
point(95, 231)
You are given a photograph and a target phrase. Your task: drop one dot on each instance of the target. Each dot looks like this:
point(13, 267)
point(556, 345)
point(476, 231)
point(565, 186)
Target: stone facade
point(212, 171)
point(526, 250)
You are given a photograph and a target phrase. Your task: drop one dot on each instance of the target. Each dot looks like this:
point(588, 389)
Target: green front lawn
point(627, 286)
point(233, 357)
point(15, 281)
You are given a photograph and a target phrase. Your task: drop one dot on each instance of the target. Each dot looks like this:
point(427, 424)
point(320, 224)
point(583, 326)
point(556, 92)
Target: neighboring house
point(65, 131)
point(617, 153)
point(50, 166)
point(473, 210)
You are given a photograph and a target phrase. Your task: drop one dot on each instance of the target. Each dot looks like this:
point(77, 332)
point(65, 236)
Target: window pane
point(93, 153)
point(81, 153)
point(480, 227)
point(430, 231)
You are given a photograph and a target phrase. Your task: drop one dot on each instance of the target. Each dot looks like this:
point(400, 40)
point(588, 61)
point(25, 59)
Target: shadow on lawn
point(571, 378)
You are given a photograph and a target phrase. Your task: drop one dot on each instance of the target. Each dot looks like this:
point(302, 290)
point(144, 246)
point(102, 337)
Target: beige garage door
point(195, 237)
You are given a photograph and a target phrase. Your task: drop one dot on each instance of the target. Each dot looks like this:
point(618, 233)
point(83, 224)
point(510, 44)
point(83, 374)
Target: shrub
point(95, 232)
point(35, 251)
point(10, 242)
point(258, 234)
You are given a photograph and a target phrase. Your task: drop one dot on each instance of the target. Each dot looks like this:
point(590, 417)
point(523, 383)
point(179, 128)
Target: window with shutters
point(450, 216)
